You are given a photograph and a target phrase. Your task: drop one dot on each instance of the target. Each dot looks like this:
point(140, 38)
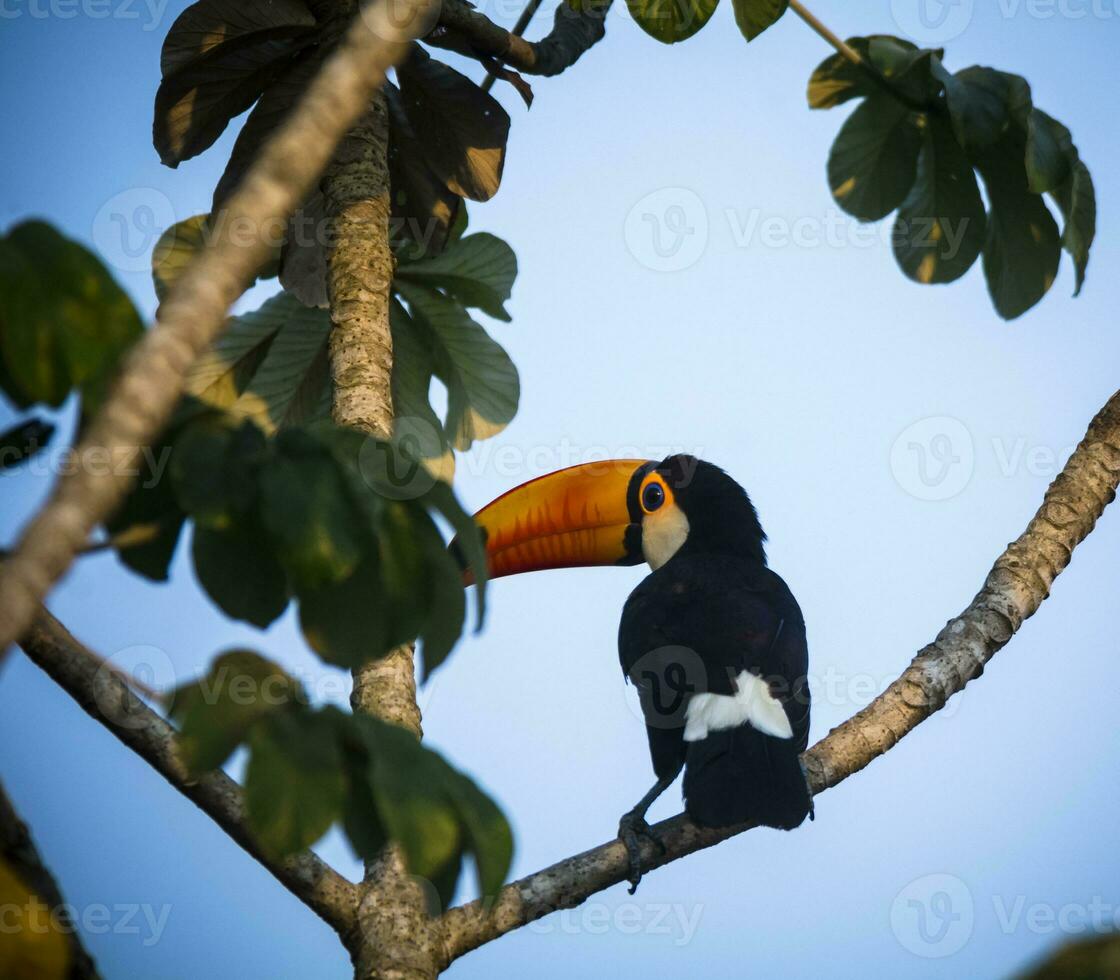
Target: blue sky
point(779, 341)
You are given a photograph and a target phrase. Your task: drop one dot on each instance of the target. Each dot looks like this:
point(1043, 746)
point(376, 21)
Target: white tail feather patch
point(752, 703)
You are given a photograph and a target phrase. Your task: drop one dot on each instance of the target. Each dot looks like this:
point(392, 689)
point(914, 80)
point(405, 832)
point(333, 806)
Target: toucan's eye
point(653, 496)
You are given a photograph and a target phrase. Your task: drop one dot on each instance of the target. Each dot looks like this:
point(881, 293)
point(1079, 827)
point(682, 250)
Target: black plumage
point(692, 626)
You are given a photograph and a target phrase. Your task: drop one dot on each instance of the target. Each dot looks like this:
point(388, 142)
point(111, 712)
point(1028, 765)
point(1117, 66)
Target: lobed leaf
point(670, 21)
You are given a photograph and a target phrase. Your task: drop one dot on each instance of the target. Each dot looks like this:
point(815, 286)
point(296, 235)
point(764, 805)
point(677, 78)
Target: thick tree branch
point(1013, 591)
point(392, 937)
point(573, 34)
point(19, 852)
point(194, 311)
point(105, 697)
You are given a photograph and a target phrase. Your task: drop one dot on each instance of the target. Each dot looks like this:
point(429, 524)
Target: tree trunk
point(394, 939)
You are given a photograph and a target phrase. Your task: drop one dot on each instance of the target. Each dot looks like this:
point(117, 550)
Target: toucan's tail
point(740, 775)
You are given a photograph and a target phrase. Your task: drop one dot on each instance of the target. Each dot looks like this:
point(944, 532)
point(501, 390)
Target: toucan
point(712, 638)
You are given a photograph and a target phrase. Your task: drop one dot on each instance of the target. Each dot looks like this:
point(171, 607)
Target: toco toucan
point(712, 638)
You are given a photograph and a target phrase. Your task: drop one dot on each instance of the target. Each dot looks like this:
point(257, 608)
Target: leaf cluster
point(916, 143)
point(342, 523)
point(309, 768)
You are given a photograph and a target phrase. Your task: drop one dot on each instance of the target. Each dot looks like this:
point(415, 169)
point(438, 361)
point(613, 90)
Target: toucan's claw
point(809, 790)
point(631, 827)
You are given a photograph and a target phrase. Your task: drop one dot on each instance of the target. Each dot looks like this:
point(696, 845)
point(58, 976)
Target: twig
point(811, 19)
point(1014, 589)
point(195, 310)
point(573, 34)
point(518, 31)
point(105, 698)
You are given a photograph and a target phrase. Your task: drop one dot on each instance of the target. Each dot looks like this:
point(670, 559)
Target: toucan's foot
point(631, 827)
point(808, 789)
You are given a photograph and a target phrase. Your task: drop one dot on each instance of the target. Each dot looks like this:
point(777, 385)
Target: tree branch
point(19, 852)
point(1013, 591)
point(107, 699)
point(392, 937)
point(573, 34)
point(194, 312)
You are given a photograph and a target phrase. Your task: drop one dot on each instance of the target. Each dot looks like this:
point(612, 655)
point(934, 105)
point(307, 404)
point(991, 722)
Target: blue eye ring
point(653, 496)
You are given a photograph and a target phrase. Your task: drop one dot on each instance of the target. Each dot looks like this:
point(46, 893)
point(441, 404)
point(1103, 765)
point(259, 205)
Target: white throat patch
point(663, 533)
point(752, 703)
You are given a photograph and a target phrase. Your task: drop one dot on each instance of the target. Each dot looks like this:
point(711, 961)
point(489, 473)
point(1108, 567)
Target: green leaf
point(940, 227)
point(176, 249)
point(477, 271)
point(218, 57)
point(754, 16)
point(277, 101)
point(447, 610)
point(416, 424)
point(482, 383)
point(1023, 245)
point(488, 833)
point(1072, 190)
point(237, 568)
point(294, 783)
point(64, 322)
point(425, 212)
point(978, 100)
point(305, 507)
point(23, 440)
point(410, 786)
point(345, 622)
point(873, 160)
point(462, 129)
point(469, 545)
point(836, 80)
point(670, 21)
point(151, 504)
point(269, 366)
point(216, 712)
point(213, 470)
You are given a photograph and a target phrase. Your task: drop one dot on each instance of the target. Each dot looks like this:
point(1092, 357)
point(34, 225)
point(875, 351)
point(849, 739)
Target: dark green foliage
point(23, 440)
point(64, 322)
point(310, 768)
point(976, 120)
point(310, 514)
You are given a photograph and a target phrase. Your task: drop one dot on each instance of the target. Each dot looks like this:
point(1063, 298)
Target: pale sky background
point(795, 360)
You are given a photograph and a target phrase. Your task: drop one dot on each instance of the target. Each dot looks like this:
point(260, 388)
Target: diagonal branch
point(574, 33)
point(105, 697)
point(194, 312)
point(1013, 591)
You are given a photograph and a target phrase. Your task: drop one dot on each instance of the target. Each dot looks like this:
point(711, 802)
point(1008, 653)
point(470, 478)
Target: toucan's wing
point(696, 623)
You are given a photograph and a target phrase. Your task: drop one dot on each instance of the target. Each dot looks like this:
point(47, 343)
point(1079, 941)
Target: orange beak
point(574, 517)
